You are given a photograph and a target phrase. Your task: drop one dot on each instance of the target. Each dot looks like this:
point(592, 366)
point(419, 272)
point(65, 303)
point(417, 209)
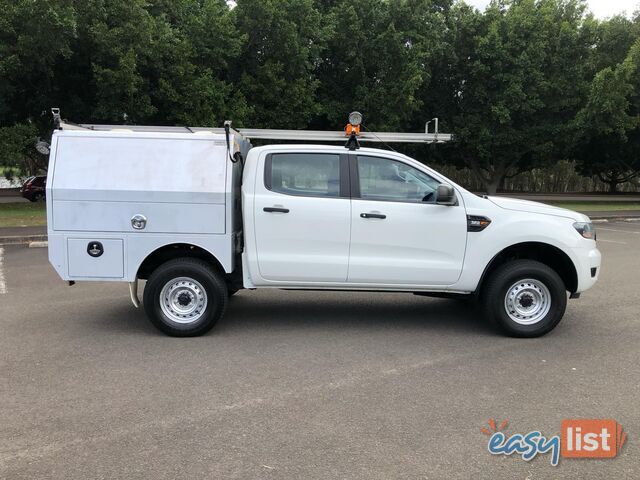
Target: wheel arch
point(545, 253)
point(176, 250)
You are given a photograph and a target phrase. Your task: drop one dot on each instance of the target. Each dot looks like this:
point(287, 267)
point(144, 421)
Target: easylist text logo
point(579, 438)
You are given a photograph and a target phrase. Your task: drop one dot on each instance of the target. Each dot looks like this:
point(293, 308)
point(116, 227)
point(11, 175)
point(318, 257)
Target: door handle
point(373, 215)
point(275, 210)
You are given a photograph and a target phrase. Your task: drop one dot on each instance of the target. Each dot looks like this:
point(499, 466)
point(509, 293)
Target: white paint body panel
point(308, 244)
point(182, 183)
point(186, 186)
point(171, 218)
point(109, 265)
point(417, 244)
point(424, 247)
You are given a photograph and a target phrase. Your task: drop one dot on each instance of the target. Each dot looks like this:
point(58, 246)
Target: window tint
point(384, 179)
point(308, 174)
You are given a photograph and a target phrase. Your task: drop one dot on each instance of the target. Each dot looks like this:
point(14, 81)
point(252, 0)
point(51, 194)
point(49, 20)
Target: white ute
point(200, 214)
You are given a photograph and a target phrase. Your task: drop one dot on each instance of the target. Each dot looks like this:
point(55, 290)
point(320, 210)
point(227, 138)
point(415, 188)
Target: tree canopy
point(523, 84)
point(609, 124)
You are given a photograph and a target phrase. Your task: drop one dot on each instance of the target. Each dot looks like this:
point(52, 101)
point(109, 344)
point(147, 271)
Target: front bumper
point(588, 266)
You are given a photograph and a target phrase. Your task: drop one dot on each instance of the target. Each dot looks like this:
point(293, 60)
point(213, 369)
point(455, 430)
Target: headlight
point(585, 229)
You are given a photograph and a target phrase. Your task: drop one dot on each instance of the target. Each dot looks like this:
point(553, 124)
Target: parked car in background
point(34, 188)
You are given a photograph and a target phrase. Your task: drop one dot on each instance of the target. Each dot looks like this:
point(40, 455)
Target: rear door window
point(303, 174)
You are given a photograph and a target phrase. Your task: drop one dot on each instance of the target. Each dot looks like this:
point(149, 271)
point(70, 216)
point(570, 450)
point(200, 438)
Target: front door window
point(388, 180)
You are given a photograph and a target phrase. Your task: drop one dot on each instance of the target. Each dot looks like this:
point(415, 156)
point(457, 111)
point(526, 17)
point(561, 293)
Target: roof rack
point(274, 134)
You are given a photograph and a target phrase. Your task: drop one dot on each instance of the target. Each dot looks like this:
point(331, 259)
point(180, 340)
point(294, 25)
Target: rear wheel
point(185, 297)
point(524, 298)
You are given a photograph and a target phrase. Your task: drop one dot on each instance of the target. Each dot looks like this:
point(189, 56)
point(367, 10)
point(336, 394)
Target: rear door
point(303, 217)
point(399, 235)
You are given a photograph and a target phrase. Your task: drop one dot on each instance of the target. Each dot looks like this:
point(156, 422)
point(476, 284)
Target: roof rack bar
point(271, 134)
point(339, 136)
point(138, 128)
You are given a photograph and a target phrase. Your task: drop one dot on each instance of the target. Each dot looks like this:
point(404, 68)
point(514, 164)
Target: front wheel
point(185, 297)
point(525, 298)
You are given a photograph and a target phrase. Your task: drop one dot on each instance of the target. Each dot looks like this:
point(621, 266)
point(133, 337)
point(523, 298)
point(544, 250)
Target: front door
point(302, 218)
point(399, 235)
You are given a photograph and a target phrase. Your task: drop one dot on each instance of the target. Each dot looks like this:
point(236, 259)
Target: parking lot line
point(611, 241)
point(3, 285)
point(620, 231)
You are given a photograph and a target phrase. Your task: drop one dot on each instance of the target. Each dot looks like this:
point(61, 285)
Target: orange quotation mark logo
point(494, 429)
point(578, 439)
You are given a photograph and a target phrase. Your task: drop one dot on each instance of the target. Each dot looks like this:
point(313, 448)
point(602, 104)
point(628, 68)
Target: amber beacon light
point(353, 127)
point(352, 130)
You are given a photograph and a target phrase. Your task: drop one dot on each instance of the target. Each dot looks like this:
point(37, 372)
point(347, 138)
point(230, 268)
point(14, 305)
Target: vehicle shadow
point(123, 318)
point(351, 310)
point(321, 311)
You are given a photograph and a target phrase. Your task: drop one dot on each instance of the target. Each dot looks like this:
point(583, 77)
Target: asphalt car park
point(306, 384)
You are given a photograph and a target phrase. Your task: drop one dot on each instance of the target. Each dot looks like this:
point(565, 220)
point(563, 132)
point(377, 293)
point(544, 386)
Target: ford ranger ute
point(200, 214)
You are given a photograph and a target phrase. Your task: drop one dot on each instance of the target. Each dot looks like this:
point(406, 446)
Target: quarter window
point(390, 180)
point(305, 174)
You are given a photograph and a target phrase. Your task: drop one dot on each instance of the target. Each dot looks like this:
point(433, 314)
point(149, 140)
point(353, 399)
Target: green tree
point(520, 85)
point(442, 94)
point(198, 42)
point(378, 58)
point(275, 70)
point(608, 127)
point(17, 150)
point(34, 35)
point(614, 38)
point(164, 63)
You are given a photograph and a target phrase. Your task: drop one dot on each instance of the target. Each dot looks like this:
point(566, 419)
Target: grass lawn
point(597, 206)
point(5, 170)
point(34, 214)
point(23, 214)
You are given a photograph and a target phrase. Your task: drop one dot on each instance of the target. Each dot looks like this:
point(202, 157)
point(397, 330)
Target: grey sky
point(600, 8)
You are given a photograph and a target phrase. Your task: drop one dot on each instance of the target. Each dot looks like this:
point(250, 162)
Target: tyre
point(524, 298)
point(185, 297)
point(38, 197)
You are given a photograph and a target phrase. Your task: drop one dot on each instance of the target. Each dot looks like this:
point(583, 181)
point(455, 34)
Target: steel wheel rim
point(183, 300)
point(527, 301)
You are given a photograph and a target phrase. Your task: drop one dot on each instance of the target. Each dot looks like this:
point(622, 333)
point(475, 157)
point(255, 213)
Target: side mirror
point(445, 195)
